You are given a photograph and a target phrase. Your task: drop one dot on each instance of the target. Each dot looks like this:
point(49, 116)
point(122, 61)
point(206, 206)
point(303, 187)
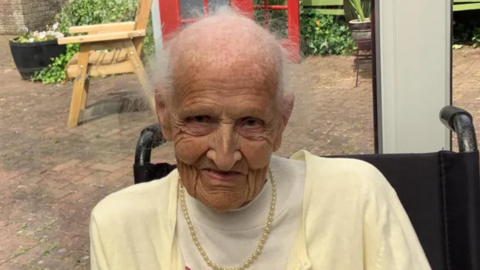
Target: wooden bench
point(106, 49)
point(327, 7)
point(463, 5)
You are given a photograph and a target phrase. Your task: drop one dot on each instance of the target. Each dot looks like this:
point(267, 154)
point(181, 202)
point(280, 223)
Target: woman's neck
point(253, 213)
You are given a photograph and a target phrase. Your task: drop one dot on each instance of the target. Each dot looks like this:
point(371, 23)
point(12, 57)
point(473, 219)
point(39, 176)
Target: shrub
point(324, 34)
point(466, 32)
point(55, 72)
point(321, 34)
point(88, 12)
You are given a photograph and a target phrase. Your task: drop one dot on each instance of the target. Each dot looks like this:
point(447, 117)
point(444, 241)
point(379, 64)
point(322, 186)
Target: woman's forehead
point(225, 75)
point(234, 101)
point(226, 82)
point(227, 108)
point(224, 69)
point(244, 67)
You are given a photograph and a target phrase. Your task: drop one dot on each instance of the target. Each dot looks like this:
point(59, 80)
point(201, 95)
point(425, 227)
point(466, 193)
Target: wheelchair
point(440, 191)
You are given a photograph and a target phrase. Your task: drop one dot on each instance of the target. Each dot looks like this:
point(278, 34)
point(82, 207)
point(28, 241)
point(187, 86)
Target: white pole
point(156, 23)
point(414, 73)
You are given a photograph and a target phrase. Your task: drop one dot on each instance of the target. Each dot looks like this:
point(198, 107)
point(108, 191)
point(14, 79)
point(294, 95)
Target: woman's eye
point(252, 122)
point(199, 125)
point(200, 119)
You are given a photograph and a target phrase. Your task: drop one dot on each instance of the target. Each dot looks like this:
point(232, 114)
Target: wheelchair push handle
point(150, 138)
point(460, 122)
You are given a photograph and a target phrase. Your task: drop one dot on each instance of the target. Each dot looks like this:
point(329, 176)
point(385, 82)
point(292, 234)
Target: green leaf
point(457, 47)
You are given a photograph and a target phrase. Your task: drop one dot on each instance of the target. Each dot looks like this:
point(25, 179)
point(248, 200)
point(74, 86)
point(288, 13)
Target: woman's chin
point(220, 202)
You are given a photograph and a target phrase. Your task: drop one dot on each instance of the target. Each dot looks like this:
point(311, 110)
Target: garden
point(52, 175)
point(322, 33)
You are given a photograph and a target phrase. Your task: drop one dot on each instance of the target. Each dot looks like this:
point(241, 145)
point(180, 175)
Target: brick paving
point(51, 176)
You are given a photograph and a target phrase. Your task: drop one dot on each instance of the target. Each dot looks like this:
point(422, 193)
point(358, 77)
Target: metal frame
point(364, 51)
point(376, 73)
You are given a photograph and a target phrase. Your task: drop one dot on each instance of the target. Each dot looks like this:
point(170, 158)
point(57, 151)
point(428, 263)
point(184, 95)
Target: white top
point(229, 238)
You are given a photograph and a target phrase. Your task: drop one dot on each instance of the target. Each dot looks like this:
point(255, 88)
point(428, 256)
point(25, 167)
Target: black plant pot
point(31, 57)
point(360, 30)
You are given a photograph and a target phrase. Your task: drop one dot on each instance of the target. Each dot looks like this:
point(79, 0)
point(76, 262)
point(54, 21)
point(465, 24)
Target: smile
point(219, 175)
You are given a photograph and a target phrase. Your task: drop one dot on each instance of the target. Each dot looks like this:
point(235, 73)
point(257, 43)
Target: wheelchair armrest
point(460, 122)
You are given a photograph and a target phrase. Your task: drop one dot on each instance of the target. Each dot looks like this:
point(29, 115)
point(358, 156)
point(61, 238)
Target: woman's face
point(224, 126)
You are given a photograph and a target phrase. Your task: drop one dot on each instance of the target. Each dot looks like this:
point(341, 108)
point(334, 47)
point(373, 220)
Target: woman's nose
point(224, 149)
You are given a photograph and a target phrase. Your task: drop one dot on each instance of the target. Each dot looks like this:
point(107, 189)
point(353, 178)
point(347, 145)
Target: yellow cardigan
point(352, 220)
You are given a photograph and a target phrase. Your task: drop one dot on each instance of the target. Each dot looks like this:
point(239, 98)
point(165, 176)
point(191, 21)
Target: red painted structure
point(172, 21)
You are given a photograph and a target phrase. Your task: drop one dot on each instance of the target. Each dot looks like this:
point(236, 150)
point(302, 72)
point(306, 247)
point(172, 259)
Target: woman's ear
point(163, 115)
point(288, 104)
point(287, 109)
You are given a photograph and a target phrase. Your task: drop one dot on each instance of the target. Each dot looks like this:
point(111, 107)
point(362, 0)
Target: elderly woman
point(232, 204)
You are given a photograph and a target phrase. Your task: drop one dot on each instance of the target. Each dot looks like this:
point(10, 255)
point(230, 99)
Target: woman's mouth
point(221, 175)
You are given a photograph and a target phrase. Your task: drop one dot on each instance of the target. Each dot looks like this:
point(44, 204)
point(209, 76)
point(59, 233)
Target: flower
point(317, 22)
point(26, 29)
point(48, 34)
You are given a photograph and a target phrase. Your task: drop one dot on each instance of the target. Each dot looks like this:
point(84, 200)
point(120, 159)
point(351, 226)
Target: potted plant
point(34, 51)
point(357, 13)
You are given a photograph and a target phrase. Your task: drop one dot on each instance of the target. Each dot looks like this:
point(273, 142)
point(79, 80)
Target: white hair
point(160, 67)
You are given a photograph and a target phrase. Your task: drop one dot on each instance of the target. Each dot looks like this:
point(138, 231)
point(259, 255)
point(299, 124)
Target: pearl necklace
point(261, 244)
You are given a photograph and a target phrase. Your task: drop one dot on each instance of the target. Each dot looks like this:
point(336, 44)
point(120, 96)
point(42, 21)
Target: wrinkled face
point(224, 115)
point(225, 123)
